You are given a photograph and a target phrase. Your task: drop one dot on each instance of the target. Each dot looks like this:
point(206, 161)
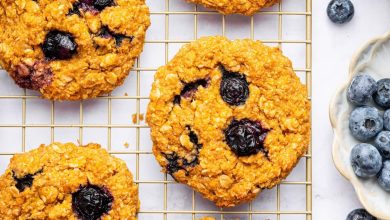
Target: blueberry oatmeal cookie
point(71, 49)
point(245, 7)
point(228, 118)
point(64, 181)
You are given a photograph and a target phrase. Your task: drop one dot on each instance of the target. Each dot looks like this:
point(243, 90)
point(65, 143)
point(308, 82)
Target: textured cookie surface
point(71, 49)
point(64, 181)
point(245, 7)
point(228, 118)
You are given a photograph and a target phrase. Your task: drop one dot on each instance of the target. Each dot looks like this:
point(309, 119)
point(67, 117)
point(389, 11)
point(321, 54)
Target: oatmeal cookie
point(245, 7)
point(71, 49)
point(228, 118)
point(64, 181)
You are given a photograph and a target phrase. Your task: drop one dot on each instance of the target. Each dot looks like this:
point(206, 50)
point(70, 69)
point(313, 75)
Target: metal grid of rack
point(249, 211)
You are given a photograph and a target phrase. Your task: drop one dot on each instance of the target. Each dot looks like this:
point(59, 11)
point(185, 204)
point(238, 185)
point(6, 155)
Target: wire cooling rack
point(116, 120)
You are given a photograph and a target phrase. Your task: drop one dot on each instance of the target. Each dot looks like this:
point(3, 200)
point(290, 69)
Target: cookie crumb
point(134, 116)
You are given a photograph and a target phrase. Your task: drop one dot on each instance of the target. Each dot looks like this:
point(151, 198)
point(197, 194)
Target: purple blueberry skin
point(366, 160)
point(365, 123)
point(361, 89)
point(59, 45)
point(382, 95)
point(386, 119)
point(360, 214)
point(384, 176)
point(382, 143)
point(91, 202)
point(102, 4)
point(245, 137)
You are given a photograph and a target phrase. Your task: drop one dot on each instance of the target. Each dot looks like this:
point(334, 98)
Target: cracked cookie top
point(228, 118)
point(245, 7)
point(64, 181)
point(71, 49)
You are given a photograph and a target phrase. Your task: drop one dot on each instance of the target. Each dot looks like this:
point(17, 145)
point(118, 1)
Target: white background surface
point(333, 46)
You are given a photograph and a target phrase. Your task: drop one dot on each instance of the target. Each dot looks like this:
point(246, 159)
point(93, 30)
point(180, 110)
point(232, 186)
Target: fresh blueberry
point(366, 160)
point(365, 123)
point(384, 176)
point(382, 95)
point(382, 143)
point(91, 202)
point(360, 214)
point(245, 137)
point(340, 11)
point(386, 120)
point(59, 45)
point(361, 89)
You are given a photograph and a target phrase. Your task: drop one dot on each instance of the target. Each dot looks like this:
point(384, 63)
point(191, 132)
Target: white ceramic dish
point(373, 59)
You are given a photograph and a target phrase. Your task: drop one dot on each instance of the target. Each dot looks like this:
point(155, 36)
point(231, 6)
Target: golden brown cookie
point(228, 118)
point(245, 7)
point(64, 181)
point(71, 49)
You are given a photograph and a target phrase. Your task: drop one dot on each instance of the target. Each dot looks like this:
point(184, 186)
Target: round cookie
point(71, 49)
point(245, 7)
point(64, 181)
point(228, 118)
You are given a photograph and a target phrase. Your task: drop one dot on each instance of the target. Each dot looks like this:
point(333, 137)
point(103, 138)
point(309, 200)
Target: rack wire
point(250, 210)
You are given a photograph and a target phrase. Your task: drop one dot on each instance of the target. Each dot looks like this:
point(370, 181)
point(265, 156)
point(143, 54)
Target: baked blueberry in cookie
point(65, 181)
point(107, 34)
point(245, 7)
point(245, 137)
point(71, 49)
point(59, 46)
point(91, 202)
point(24, 182)
point(234, 88)
point(228, 118)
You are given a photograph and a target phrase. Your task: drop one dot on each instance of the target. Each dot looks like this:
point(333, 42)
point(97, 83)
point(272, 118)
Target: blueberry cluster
point(367, 124)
